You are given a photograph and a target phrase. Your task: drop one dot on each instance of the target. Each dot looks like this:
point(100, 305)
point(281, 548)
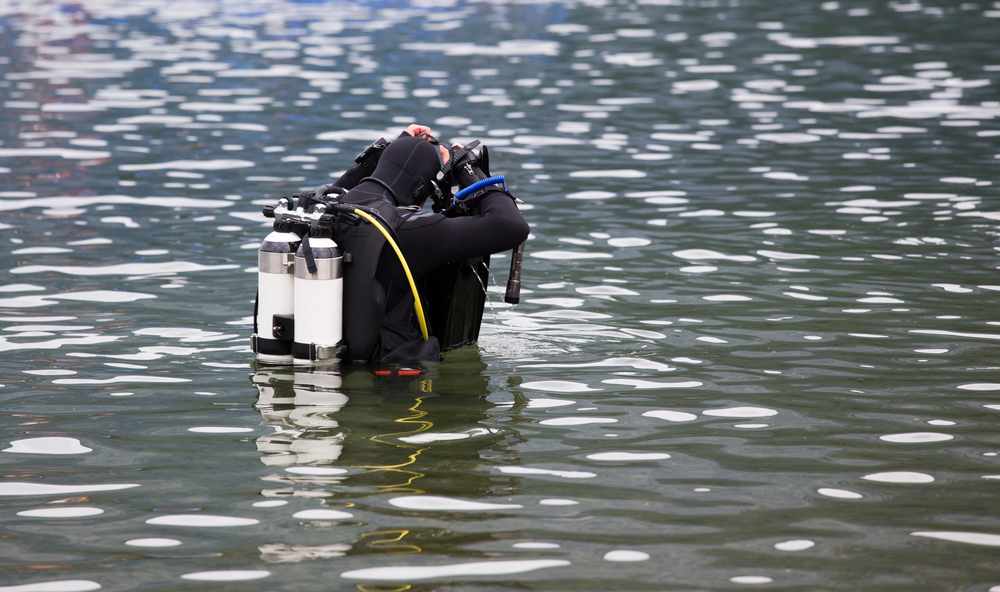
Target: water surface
point(756, 346)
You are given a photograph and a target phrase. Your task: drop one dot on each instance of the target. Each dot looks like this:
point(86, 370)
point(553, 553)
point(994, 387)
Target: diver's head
point(407, 167)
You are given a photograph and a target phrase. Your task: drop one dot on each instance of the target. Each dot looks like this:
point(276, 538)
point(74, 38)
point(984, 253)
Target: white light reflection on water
point(650, 384)
point(201, 521)
point(795, 545)
point(673, 416)
point(971, 538)
point(20, 488)
point(123, 269)
point(322, 515)
point(153, 542)
point(105, 296)
point(628, 456)
point(636, 363)
point(838, 493)
point(576, 421)
point(50, 445)
point(131, 379)
point(219, 430)
point(558, 502)
point(70, 512)
point(467, 570)
point(547, 403)
point(751, 580)
point(535, 546)
point(626, 556)
point(740, 412)
point(435, 503)
point(54, 586)
point(558, 386)
point(546, 472)
point(226, 575)
point(916, 437)
point(899, 477)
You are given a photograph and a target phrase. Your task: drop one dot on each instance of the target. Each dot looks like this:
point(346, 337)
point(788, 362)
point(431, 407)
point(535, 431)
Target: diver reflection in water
point(343, 436)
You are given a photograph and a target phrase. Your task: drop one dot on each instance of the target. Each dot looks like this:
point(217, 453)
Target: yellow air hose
point(413, 286)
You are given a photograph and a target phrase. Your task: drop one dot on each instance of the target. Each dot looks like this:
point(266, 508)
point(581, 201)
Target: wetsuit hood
point(406, 169)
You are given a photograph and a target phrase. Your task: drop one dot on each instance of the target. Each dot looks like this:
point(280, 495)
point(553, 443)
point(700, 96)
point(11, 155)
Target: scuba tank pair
point(299, 274)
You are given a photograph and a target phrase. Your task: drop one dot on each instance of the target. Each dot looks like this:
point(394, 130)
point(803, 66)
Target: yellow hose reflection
point(412, 458)
point(392, 541)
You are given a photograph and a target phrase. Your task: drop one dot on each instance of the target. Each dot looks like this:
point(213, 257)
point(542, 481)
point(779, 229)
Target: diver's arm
point(430, 240)
point(364, 165)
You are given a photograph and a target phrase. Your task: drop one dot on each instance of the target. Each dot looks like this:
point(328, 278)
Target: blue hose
point(477, 186)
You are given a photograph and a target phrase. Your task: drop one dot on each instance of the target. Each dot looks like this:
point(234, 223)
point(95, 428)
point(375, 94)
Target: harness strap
point(308, 252)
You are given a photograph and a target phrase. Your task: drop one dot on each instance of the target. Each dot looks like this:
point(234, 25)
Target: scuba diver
point(383, 319)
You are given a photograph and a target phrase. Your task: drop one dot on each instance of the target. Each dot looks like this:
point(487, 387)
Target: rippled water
point(756, 345)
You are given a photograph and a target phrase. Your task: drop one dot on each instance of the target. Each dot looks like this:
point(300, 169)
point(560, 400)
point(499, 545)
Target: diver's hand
point(422, 131)
point(416, 130)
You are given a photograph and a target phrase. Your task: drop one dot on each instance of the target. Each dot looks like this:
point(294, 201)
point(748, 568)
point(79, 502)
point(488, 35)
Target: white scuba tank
point(318, 302)
point(275, 296)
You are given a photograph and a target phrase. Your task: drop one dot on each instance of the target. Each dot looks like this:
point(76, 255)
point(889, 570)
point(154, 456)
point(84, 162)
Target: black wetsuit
point(402, 178)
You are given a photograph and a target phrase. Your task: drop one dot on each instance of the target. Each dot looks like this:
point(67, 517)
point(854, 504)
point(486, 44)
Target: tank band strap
point(271, 347)
point(308, 252)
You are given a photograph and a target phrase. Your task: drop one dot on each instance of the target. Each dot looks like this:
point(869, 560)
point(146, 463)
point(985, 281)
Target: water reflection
point(298, 405)
point(348, 437)
point(739, 208)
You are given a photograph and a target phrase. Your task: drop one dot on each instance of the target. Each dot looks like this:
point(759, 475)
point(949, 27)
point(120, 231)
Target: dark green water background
point(762, 271)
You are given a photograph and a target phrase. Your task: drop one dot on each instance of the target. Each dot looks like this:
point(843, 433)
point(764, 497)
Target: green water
point(756, 346)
